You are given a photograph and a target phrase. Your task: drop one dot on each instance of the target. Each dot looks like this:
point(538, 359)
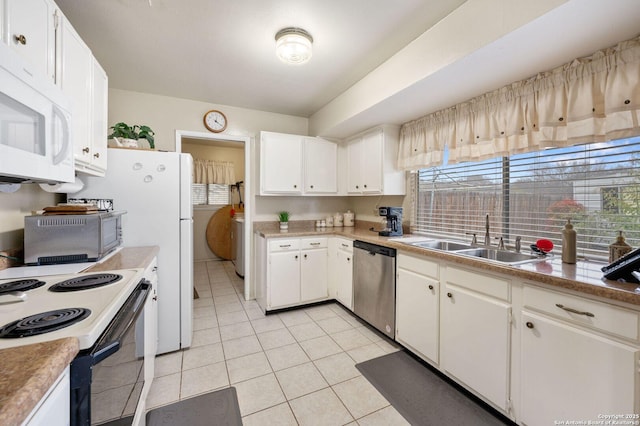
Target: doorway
point(234, 146)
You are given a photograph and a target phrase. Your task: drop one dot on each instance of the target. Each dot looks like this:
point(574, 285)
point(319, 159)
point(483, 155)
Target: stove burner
point(85, 282)
point(20, 285)
point(43, 322)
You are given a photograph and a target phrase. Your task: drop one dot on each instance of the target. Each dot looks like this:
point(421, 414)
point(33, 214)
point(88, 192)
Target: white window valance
point(589, 99)
point(210, 171)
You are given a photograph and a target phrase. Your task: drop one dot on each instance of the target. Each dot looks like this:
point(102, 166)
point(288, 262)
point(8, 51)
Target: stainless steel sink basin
point(502, 256)
point(442, 245)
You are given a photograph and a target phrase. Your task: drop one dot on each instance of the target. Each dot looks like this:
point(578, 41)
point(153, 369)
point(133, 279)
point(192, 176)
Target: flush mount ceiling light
point(293, 45)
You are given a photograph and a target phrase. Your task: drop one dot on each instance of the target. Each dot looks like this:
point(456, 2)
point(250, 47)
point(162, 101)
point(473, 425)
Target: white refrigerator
point(154, 188)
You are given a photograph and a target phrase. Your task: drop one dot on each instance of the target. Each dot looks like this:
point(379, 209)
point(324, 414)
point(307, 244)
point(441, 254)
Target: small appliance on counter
point(51, 239)
point(393, 217)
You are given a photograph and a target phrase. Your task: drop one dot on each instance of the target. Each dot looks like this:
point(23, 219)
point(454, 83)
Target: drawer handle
point(449, 295)
point(305, 256)
point(585, 313)
point(285, 245)
point(345, 245)
point(348, 259)
point(430, 287)
point(85, 150)
point(296, 257)
point(314, 244)
point(529, 324)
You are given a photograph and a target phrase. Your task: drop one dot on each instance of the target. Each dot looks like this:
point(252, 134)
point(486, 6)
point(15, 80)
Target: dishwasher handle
point(374, 249)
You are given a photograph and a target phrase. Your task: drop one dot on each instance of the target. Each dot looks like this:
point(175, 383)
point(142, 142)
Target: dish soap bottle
point(568, 243)
point(618, 249)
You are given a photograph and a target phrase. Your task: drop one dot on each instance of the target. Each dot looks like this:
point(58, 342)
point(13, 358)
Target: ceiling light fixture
point(293, 45)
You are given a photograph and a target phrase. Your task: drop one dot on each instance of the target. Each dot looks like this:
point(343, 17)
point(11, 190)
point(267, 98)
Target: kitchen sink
point(502, 256)
point(442, 245)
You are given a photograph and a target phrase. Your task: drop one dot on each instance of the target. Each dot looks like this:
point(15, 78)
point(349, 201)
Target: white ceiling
point(223, 51)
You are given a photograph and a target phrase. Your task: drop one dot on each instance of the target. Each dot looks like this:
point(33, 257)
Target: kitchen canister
point(338, 219)
point(349, 218)
point(619, 248)
point(329, 221)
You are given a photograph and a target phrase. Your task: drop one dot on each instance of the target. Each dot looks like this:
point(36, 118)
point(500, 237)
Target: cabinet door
point(313, 274)
point(100, 87)
point(568, 373)
point(475, 342)
point(372, 163)
point(280, 163)
point(417, 313)
point(77, 66)
point(284, 278)
point(344, 277)
point(355, 154)
point(32, 33)
point(320, 166)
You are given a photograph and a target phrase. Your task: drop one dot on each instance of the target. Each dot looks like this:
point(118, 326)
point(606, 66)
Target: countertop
point(27, 372)
point(583, 277)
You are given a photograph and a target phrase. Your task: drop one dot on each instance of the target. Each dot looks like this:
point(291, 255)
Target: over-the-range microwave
point(35, 124)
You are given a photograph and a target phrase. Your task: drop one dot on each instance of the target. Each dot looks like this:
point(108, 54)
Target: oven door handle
point(111, 340)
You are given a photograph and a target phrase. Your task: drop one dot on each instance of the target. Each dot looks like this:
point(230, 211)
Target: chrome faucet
point(518, 243)
point(474, 240)
point(500, 243)
point(487, 238)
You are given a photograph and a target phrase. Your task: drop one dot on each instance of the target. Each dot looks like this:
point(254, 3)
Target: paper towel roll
point(66, 188)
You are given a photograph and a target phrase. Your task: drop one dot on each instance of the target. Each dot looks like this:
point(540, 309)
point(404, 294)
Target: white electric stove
point(92, 308)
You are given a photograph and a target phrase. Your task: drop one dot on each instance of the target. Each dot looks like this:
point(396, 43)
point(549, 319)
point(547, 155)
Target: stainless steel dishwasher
point(374, 285)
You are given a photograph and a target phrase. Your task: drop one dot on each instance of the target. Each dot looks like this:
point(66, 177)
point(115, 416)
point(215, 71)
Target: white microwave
point(35, 125)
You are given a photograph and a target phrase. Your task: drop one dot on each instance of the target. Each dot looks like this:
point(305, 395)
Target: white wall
point(165, 115)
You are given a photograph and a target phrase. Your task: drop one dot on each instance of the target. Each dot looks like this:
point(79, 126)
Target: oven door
point(107, 379)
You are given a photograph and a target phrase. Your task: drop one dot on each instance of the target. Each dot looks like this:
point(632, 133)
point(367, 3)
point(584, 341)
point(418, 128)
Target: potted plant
point(283, 218)
point(128, 136)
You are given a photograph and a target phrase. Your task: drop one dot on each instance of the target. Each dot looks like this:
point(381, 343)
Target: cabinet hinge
point(510, 318)
point(509, 405)
point(56, 20)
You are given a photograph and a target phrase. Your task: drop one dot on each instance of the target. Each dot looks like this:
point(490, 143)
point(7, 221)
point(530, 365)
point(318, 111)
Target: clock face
point(215, 121)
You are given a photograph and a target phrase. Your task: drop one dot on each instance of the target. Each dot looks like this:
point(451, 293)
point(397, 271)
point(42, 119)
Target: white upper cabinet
point(320, 166)
point(371, 163)
point(297, 165)
point(29, 29)
point(280, 163)
point(85, 82)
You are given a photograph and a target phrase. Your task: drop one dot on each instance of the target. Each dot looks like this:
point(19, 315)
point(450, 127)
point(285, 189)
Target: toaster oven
point(71, 238)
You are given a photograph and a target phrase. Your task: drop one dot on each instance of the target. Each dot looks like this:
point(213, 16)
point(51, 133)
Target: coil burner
point(44, 322)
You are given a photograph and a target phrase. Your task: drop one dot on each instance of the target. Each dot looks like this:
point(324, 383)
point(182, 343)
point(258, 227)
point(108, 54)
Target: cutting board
point(219, 233)
point(71, 209)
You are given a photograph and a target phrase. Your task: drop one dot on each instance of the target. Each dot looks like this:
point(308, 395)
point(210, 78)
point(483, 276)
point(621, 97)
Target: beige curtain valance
point(210, 171)
point(591, 99)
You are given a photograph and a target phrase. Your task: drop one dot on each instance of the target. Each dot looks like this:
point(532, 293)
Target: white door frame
point(247, 191)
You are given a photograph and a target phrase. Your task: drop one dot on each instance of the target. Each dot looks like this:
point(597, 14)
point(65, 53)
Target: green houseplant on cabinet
point(283, 218)
point(127, 136)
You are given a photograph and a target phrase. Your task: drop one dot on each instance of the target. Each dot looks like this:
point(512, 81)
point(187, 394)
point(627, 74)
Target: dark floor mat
point(215, 408)
point(423, 397)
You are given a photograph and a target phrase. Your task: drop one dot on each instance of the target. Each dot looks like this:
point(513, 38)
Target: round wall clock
point(215, 121)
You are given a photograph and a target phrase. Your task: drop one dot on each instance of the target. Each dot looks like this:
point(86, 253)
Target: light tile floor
point(291, 368)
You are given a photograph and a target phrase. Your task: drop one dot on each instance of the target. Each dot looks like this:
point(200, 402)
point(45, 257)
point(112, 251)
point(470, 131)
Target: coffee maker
point(393, 216)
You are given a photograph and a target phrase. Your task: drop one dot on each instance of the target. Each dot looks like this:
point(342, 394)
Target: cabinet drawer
point(281, 244)
point(601, 316)
point(313, 243)
point(418, 265)
point(479, 282)
point(344, 244)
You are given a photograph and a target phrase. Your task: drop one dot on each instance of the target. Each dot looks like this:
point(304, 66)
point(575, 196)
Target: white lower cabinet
point(475, 334)
point(575, 372)
point(296, 271)
point(417, 306)
point(53, 408)
point(344, 272)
